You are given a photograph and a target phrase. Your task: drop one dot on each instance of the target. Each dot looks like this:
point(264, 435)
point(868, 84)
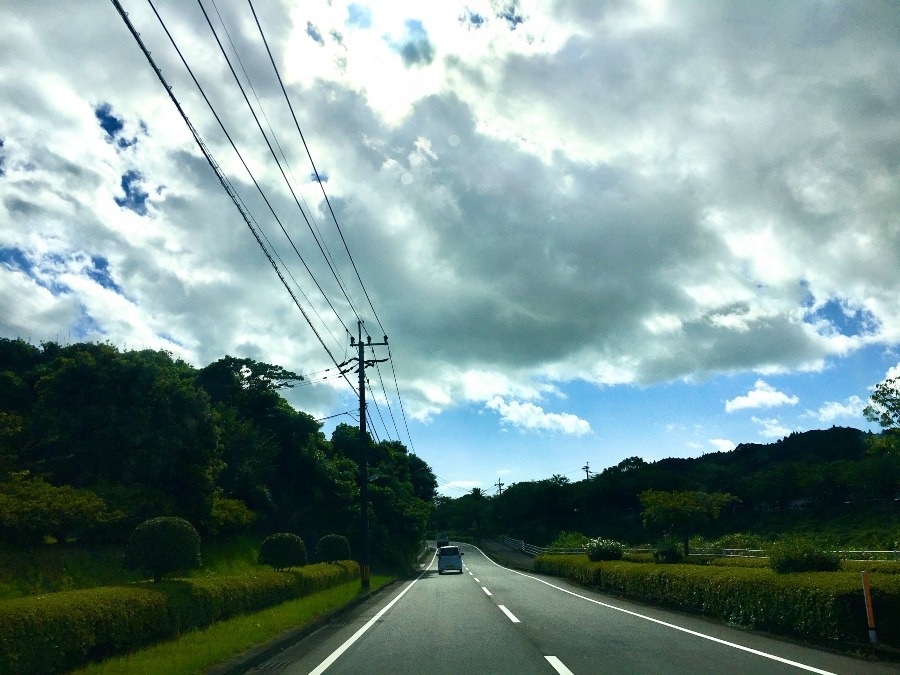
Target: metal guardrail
point(530, 549)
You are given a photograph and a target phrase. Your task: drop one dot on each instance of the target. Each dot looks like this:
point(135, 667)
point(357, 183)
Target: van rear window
point(450, 550)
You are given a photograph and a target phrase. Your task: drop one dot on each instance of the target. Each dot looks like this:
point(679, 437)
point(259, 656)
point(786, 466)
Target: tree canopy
point(104, 439)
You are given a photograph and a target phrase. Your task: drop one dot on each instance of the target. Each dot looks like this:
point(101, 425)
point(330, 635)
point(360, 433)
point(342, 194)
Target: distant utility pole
point(364, 465)
point(587, 470)
point(500, 486)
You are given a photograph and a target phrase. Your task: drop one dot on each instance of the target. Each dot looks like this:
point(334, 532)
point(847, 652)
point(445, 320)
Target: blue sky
point(591, 230)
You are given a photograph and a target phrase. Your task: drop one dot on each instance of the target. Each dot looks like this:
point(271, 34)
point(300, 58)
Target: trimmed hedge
point(821, 607)
point(62, 631)
point(871, 566)
point(756, 563)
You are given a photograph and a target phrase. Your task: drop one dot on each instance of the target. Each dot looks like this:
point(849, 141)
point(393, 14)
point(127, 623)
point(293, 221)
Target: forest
point(94, 441)
point(840, 486)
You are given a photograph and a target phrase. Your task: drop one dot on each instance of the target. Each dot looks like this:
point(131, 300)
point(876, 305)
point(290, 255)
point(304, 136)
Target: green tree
point(884, 409)
point(884, 404)
point(31, 510)
point(133, 418)
point(682, 513)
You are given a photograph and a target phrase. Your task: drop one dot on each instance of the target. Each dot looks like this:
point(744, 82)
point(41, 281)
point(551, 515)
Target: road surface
point(490, 619)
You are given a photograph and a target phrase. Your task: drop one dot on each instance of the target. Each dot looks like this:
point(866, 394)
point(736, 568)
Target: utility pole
point(500, 486)
point(364, 444)
point(587, 470)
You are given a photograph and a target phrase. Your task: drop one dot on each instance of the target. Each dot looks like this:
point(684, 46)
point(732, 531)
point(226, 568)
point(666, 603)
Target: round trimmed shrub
point(604, 549)
point(164, 545)
point(801, 555)
point(332, 547)
point(282, 550)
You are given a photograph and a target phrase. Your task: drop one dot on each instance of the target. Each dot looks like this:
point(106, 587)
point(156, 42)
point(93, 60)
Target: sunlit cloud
point(763, 395)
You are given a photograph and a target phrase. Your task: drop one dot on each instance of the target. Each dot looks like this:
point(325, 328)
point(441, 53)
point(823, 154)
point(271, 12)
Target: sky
point(590, 230)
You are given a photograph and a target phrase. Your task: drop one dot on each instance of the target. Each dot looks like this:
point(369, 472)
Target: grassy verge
point(198, 650)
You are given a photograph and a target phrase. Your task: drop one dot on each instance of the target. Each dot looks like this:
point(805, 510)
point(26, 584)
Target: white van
point(449, 558)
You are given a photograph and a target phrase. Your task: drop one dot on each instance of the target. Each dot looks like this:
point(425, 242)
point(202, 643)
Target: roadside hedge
point(59, 632)
point(822, 607)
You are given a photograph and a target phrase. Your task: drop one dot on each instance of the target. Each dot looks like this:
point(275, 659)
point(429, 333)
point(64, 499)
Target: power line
point(223, 179)
point(275, 157)
point(315, 170)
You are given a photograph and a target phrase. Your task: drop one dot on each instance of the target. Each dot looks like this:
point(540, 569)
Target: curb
point(261, 653)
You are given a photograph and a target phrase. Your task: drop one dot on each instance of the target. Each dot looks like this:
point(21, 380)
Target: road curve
point(491, 619)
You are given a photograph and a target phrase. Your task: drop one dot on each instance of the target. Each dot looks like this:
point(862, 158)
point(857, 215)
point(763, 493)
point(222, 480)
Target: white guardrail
point(530, 549)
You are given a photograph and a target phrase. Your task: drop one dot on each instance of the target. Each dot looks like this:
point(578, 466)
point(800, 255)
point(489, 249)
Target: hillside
point(826, 483)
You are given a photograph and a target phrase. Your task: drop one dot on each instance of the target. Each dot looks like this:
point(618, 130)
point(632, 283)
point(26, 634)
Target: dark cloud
point(416, 49)
point(135, 198)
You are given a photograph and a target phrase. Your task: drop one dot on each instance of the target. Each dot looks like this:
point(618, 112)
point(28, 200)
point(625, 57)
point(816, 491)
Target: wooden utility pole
point(364, 446)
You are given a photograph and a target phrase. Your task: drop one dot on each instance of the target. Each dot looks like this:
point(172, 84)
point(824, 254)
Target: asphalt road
point(490, 619)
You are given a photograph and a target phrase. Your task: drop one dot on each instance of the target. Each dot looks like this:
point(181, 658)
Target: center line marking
point(558, 666)
point(485, 590)
point(476, 580)
point(512, 617)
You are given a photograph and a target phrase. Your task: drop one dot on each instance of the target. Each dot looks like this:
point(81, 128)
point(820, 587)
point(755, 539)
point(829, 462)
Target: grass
point(50, 568)
point(197, 651)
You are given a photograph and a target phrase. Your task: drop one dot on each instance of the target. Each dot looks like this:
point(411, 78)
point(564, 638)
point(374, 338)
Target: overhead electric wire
point(223, 179)
point(255, 228)
point(277, 162)
point(400, 400)
point(315, 170)
point(240, 156)
point(387, 400)
point(331, 211)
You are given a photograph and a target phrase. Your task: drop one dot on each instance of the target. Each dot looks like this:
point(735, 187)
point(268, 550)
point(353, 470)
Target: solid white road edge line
point(734, 645)
point(512, 617)
point(335, 655)
point(558, 666)
point(485, 590)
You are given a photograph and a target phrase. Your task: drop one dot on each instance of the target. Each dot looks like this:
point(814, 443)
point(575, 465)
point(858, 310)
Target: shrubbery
point(570, 540)
point(163, 545)
point(332, 547)
point(604, 549)
point(668, 552)
point(818, 607)
point(62, 631)
point(283, 550)
point(801, 555)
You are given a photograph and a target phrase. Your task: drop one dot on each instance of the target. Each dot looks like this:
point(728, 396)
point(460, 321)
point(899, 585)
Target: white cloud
point(686, 240)
point(893, 372)
point(830, 411)
point(722, 444)
point(528, 416)
point(771, 428)
point(763, 395)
